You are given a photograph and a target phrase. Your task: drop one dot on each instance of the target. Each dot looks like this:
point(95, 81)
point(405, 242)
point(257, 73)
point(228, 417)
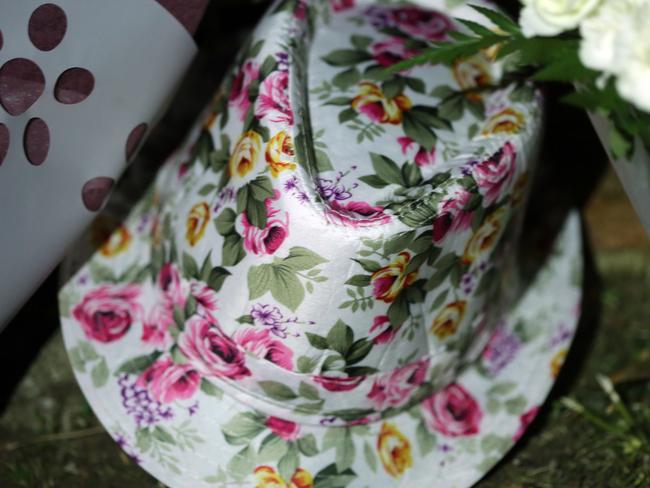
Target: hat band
point(266, 386)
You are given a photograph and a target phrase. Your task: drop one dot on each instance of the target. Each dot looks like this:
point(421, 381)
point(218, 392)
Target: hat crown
point(312, 255)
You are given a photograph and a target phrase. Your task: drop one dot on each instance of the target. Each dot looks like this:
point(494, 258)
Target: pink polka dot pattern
point(4, 142)
point(37, 141)
point(134, 140)
point(188, 12)
point(74, 86)
point(21, 85)
point(95, 192)
point(47, 26)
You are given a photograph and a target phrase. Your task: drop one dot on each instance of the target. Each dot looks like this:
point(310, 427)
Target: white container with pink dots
point(81, 82)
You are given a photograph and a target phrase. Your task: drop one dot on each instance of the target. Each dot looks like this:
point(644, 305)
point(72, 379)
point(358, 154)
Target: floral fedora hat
point(322, 288)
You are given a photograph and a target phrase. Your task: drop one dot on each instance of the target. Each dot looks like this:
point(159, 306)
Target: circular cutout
point(134, 140)
point(47, 26)
point(74, 86)
point(37, 141)
point(95, 191)
point(4, 142)
point(21, 84)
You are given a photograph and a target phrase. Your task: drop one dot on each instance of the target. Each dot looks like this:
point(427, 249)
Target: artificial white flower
point(633, 48)
point(551, 17)
point(616, 41)
point(601, 34)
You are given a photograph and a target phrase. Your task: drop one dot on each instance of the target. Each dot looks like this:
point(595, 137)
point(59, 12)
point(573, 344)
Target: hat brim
point(451, 440)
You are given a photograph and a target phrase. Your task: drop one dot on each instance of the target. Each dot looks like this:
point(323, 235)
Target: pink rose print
point(396, 388)
point(206, 299)
point(249, 72)
point(273, 102)
point(155, 329)
point(418, 154)
point(300, 11)
point(267, 240)
point(261, 344)
point(357, 214)
point(494, 175)
point(211, 351)
point(341, 5)
point(453, 412)
point(168, 382)
point(382, 329)
point(422, 23)
point(169, 281)
point(452, 216)
point(339, 384)
point(524, 421)
point(363, 420)
point(106, 313)
point(284, 429)
point(391, 51)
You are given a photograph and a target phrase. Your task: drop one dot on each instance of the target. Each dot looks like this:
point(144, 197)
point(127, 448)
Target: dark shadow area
point(25, 335)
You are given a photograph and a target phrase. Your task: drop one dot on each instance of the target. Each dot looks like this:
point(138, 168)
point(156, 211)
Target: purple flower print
point(291, 184)
point(138, 404)
point(468, 282)
point(143, 223)
point(270, 317)
point(333, 189)
point(123, 444)
point(303, 197)
point(292, 187)
point(192, 409)
point(445, 448)
point(379, 17)
point(562, 334)
point(121, 441)
point(225, 196)
point(266, 315)
point(284, 61)
point(500, 350)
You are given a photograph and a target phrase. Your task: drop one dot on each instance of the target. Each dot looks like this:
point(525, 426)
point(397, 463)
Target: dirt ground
point(49, 437)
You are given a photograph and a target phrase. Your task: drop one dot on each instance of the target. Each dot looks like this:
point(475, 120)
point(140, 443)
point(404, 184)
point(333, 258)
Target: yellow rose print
point(373, 103)
point(110, 237)
point(389, 281)
point(486, 237)
point(473, 72)
point(557, 362)
point(267, 477)
point(447, 322)
point(209, 121)
point(280, 153)
point(197, 221)
point(394, 450)
point(507, 121)
point(245, 155)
